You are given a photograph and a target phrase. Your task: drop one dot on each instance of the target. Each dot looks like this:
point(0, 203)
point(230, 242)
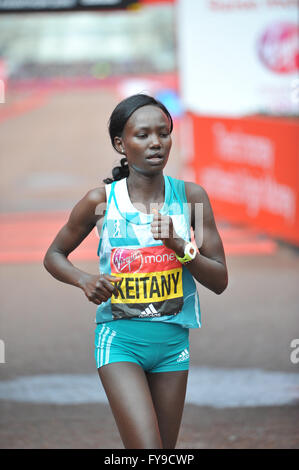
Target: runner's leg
point(131, 403)
point(168, 390)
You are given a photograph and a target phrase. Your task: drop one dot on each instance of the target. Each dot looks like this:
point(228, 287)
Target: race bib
point(151, 282)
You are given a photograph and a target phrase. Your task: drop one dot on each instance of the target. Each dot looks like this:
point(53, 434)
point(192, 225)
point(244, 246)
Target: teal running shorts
point(155, 346)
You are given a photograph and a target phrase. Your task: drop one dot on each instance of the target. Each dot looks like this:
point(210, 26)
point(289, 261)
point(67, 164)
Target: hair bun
point(120, 172)
point(124, 162)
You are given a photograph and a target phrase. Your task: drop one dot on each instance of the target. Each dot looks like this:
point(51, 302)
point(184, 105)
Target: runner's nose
point(155, 141)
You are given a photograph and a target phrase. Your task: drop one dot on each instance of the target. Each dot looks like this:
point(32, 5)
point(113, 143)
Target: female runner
point(145, 293)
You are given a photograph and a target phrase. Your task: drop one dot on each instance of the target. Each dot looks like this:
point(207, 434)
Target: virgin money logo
point(278, 48)
point(127, 261)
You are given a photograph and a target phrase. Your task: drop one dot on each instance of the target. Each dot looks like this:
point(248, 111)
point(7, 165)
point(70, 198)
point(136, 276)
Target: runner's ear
point(118, 145)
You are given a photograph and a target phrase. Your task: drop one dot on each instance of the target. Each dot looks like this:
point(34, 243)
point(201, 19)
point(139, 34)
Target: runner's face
point(146, 140)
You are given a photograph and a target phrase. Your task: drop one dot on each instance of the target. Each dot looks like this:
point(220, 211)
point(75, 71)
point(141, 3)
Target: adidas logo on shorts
point(183, 356)
point(150, 311)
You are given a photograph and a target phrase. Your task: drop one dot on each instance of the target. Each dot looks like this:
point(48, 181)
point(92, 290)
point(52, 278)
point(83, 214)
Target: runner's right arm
point(83, 218)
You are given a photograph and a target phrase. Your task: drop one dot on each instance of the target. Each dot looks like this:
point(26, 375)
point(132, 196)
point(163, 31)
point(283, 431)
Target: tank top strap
point(109, 189)
point(179, 204)
point(178, 188)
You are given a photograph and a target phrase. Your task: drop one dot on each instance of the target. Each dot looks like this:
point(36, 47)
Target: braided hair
point(117, 122)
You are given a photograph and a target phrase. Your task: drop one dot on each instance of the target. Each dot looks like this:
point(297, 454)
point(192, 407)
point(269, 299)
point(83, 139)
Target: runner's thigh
point(168, 391)
point(130, 399)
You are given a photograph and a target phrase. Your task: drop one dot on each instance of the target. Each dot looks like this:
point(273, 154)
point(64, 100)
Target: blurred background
point(228, 72)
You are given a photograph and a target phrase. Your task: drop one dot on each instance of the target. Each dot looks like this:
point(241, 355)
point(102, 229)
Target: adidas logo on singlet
point(183, 356)
point(150, 311)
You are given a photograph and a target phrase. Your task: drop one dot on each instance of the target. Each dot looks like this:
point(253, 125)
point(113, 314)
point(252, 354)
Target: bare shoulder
point(96, 201)
point(195, 192)
point(88, 210)
point(96, 195)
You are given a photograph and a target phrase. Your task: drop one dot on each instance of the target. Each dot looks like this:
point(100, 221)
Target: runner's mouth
point(155, 158)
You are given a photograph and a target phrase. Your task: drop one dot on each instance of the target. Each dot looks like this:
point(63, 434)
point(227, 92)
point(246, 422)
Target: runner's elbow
point(46, 261)
point(49, 259)
point(222, 285)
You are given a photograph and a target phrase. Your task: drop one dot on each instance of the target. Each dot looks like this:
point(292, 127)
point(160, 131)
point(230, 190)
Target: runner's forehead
point(147, 117)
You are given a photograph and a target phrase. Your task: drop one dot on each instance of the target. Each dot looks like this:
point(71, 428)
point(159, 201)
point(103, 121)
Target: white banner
point(238, 57)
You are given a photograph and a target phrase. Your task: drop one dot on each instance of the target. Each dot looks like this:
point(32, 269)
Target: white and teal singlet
point(154, 285)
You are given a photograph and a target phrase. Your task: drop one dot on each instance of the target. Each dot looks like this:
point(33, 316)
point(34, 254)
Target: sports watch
point(189, 253)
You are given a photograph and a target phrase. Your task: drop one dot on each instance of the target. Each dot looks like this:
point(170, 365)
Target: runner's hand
point(99, 288)
point(162, 229)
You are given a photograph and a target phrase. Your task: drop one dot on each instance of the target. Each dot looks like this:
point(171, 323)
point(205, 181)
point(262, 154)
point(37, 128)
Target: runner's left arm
point(209, 266)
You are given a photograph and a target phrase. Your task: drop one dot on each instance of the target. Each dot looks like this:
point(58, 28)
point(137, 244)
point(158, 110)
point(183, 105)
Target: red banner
point(249, 167)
